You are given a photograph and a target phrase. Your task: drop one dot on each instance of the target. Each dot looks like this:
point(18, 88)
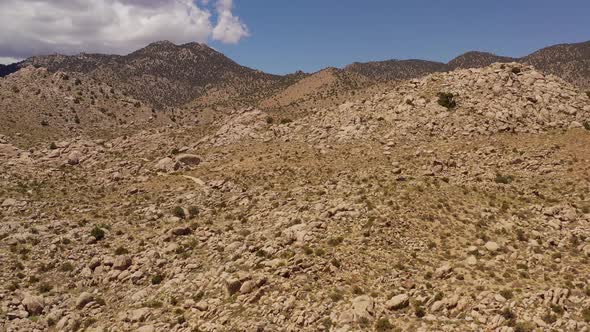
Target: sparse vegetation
point(447, 100)
point(97, 233)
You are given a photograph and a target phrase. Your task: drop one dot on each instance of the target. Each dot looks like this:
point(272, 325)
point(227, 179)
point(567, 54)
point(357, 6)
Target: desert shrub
point(98, 233)
point(447, 100)
point(286, 120)
point(44, 123)
point(269, 120)
point(383, 325)
point(419, 312)
point(121, 251)
point(588, 94)
point(178, 211)
point(157, 279)
point(587, 125)
point(52, 146)
point(193, 211)
point(503, 179)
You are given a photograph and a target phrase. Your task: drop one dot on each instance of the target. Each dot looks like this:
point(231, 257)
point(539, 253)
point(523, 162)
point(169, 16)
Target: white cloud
point(29, 27)
point(229, 28)
point(8, 60)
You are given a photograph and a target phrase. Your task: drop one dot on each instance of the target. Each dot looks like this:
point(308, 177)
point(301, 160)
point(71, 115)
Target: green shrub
point(587, 125)
point(503, 179)
point(98, 233)
point(383, 325)
point(157, 279)
point(178, 211)
point(447, 100)
point(121, 251)
point(52, 146)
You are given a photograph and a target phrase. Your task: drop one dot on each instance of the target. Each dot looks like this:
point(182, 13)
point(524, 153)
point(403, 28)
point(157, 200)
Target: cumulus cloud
point(29, 27)
point(229, 28)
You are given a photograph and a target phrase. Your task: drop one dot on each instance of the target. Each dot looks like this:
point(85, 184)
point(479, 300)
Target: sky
point(283, 36)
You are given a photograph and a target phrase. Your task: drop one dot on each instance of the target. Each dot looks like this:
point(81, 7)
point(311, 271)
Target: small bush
point(44, 288)
point(335, 241)
point(286, 120)
point(121, 251)
point(52, 146)
point(503, 179)
point(419, 312)
point(383, 325)
point(67, 267)
point(98, 233)
point(507, 294)
point(157, 279)
point(269, 120)
point(586, 315)
point(178, 211)
point(193, 211)
point(587, 125)
point(524, 327)
point(588, 94)
point(336, 296)
point(447, 100)
point(44, 123)
point(508, 314)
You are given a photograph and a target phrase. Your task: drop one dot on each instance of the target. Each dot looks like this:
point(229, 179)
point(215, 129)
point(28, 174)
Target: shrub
point(98, 233)
point(588, 94)
point(269, 120)
point(419, 312)
point(383, 325)
point(52, 146)
point(587, 125)
point(286, 120)
point(507, 294)
point(193, 211)
point(503, 179)
point(447, 100)
point(508, 314)
point(67, 267)
point(586, 315)
point(335, 241)
point(157, 279)
point(44, 287)
point(178, 211)
point(121, 251)
point(44, 123)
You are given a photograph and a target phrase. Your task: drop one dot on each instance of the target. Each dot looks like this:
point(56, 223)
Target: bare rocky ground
point(392, 213)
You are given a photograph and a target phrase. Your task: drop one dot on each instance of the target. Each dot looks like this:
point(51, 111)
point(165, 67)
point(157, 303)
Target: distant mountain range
point(568, 61)
point(164, 74)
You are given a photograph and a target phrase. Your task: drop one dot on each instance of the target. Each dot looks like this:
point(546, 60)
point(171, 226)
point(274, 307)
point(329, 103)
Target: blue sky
point(312, 34)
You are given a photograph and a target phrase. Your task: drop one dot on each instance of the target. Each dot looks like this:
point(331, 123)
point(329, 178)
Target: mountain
point(392, 70)
point(568, 61)
point(165, 74)
point(476, 60)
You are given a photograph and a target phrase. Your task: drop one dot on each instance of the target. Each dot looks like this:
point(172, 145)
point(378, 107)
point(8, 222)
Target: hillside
point(38, 105)
point(410, 210)
point(568, 61)
point(392, 70)
point(476, 60)
point(164, 74)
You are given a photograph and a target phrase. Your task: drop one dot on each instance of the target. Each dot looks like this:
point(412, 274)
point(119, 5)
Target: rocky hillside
point(476, 60)
point(457, 202)
point(393, 70)
point(164, 74)
point(38, 105)
point(568, 61)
